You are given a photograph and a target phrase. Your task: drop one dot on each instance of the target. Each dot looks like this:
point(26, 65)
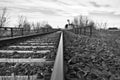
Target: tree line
point(84, 21)
point(22, 22)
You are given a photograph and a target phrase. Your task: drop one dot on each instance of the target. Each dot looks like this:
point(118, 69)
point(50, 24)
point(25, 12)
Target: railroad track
point(41, 58)
point(33, 58)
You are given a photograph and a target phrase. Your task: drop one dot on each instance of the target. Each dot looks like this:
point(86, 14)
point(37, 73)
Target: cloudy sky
point(56, 12)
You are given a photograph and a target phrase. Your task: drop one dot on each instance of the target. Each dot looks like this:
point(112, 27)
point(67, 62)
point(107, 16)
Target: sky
point(56, 12)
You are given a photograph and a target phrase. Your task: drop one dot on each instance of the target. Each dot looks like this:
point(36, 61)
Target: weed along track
point(88, 58)
point(29, 59)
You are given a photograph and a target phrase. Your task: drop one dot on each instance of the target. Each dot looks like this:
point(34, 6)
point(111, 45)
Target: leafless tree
point(101, 25)
point(105, 25)
point(76, 22)
point(48, 26)
point(4, 19)
point(33, 25)
point(86, 21)
point(81, 21)
point(43, 23)
point(23, 23)
point(38, 25)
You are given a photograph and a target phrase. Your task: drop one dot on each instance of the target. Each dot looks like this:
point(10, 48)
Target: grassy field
point(111, 38)
point(106, 34)
point(96, 57)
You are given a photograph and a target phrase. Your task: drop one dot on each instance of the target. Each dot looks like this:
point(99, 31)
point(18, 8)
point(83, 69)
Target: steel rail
point(58, 73)
point(8, 41)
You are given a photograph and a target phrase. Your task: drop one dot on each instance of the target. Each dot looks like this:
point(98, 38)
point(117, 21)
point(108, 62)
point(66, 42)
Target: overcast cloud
point(56, 12)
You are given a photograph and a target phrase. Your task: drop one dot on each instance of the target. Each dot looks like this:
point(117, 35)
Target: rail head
point(58, 73)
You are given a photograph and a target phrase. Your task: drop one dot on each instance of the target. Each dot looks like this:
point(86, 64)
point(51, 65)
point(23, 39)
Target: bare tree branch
point(3, 17)
point(81, 21)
